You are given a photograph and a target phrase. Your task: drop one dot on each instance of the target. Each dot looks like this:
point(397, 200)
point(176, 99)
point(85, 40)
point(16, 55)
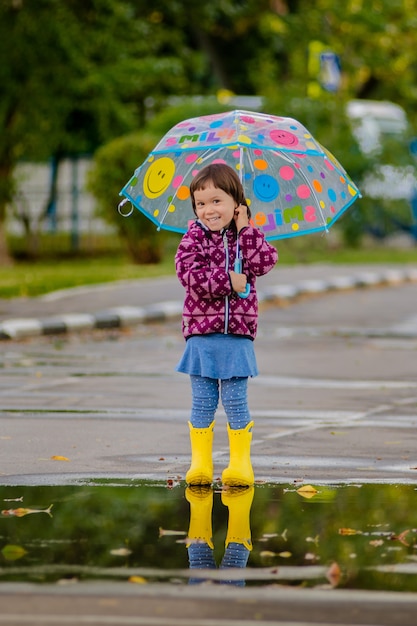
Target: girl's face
point(214, 207)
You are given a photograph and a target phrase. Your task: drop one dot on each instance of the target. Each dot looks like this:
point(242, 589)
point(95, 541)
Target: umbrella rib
point(317, 201)
point(207, 154)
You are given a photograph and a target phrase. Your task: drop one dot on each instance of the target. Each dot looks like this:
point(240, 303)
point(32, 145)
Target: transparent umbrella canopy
point(293, 185)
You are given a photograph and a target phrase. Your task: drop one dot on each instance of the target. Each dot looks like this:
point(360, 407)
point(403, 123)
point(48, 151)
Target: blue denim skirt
point(218, 356)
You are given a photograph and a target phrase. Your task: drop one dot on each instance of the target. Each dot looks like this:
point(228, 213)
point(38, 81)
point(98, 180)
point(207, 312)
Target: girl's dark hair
point(221, 176)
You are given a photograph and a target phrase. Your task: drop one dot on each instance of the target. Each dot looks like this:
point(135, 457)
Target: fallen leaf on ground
point(266, 553)
point(307, 491)
point(283, 555)
point(57, 457)
point(121, 552)
point(314, 540)
point(139, 580)
point(12, 552)
point(401, 537)
point(21, 512)
point(333, 574)
point(349, 531)
point(170, 533)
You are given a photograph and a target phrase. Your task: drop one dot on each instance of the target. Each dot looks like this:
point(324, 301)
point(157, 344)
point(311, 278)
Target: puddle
point(347, 536)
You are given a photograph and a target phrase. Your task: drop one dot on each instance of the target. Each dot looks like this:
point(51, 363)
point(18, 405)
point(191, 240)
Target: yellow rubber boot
point(240, 472)
point(201, 506)
point(239, 502)
point(201, 469)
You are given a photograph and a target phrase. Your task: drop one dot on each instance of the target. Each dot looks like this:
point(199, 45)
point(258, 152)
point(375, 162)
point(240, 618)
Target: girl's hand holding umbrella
point(239, 282)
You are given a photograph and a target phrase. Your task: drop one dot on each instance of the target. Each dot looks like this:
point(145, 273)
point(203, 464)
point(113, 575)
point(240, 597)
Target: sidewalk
point(100, 404)
point(126, 303)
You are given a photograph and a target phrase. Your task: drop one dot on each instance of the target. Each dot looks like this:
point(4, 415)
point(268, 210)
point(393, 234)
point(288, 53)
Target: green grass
point(28, 279)
point(33, 279)
point(319, 249)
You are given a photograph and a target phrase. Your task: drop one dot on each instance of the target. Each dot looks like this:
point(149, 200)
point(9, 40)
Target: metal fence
point(73, 210)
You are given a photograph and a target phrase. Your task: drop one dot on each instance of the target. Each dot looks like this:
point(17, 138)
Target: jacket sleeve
point(200, 277)
point(258, 254)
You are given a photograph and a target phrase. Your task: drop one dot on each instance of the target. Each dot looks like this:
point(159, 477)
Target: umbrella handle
point(122, 203)
point(238, 270)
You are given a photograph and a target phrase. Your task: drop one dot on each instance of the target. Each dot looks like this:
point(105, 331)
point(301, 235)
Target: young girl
point(219, 325)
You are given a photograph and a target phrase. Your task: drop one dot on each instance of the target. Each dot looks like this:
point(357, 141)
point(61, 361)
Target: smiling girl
point(219, 324)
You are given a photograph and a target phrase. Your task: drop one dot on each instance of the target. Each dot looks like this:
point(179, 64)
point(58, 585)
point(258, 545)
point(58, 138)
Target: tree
point(116, 161)
point(373, 39)
point(78, 73)
point(74, 74)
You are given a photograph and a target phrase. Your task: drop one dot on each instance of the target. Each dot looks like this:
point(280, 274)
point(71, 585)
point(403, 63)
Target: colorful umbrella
point(293, 185)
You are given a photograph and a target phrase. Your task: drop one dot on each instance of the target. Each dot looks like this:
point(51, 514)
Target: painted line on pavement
point(124, 316)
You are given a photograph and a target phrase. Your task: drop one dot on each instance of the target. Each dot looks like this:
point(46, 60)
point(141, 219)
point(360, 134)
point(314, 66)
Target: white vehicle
point(372, 122)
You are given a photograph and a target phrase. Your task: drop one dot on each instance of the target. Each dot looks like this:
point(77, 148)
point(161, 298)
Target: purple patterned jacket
point(202, 263)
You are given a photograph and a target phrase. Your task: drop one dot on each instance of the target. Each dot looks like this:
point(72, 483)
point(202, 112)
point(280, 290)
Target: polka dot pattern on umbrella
point(293, 185)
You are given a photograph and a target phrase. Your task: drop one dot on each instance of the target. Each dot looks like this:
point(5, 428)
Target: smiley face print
point(158, 177)
point(265, 188)
point(284, 138)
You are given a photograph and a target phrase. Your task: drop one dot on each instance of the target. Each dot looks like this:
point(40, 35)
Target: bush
point(189, 108)
point(115, 163)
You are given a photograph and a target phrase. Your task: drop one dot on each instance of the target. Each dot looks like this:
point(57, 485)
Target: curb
point(125, 316)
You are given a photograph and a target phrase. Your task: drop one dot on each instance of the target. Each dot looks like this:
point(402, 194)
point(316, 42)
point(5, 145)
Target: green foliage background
point(360, 527)
point(78, 74)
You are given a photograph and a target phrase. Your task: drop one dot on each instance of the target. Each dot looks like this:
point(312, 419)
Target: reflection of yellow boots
point(201, 505)
point(240, 472)
point(201, 469)
point(239, 502)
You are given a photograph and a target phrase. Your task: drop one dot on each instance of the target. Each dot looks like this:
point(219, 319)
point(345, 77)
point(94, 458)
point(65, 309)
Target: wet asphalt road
point(336, 401)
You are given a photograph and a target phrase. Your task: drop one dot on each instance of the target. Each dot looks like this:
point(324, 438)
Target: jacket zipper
point(226, 298)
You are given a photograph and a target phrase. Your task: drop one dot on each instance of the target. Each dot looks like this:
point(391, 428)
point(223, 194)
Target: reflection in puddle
point(238, 544)
point(349, 536)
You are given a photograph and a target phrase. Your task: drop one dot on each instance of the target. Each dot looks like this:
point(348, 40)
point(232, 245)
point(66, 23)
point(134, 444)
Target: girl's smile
point(214, 207)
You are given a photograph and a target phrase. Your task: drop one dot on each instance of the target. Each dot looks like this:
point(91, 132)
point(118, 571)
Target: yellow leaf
point(307, 491)
point(56, 457)
point(139, 580)
point(349, 531)
point(12, 552)
point(267, 553)
point(285, 554)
